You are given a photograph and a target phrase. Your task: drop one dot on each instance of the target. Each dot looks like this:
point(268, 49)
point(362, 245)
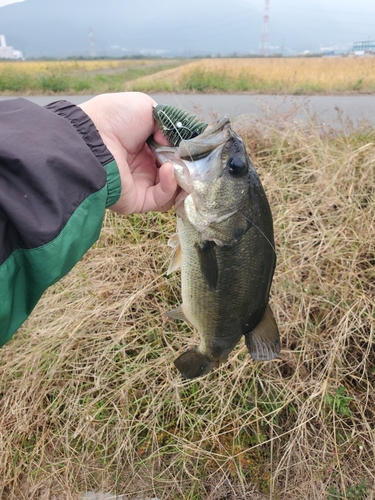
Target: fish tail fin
point(192, 364)
point(263, 342)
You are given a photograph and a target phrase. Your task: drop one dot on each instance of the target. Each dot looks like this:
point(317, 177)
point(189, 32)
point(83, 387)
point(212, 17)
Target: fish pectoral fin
point(177, 313)
point(208, 262)
point(263, 342)
point(173, 240)
point(176, 258)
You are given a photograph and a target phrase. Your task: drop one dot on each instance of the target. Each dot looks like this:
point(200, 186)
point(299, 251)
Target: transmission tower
point(264, 39)
point(92, 43)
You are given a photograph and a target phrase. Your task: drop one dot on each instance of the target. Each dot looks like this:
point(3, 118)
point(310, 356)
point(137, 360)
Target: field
point(78, 77)
point(269, 75)
point(90, 399)
point(282, 76)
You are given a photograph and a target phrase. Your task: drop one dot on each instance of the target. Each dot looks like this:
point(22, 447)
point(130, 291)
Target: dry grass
point(71, 66)
point(268, 75)
point(90, 398)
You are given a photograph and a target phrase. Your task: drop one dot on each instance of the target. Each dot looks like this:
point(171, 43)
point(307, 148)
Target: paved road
point(326, 109)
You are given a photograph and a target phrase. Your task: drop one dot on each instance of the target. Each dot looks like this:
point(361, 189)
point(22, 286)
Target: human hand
point(125, 122)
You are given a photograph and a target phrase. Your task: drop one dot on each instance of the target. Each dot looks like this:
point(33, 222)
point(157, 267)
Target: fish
point(224, 246)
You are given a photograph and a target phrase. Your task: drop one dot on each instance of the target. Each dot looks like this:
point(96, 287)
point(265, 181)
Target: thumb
point(163, 193)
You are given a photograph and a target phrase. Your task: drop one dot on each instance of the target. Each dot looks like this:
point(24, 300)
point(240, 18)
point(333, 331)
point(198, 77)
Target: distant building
point(7, 52)
point(361, 48)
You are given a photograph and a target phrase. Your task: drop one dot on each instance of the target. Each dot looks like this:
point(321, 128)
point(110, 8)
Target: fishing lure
point(177, 124)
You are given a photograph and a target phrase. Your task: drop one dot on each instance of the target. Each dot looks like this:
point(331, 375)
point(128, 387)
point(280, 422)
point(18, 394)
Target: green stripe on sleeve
point(26, 274)
point(113, 183)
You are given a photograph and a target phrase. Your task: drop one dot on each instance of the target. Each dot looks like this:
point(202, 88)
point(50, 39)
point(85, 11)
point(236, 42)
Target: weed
point(338, 402)
point(356, 492)
point(54, 83)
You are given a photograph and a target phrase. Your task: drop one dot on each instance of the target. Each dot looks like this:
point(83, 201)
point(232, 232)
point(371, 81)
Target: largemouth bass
point(224, 246)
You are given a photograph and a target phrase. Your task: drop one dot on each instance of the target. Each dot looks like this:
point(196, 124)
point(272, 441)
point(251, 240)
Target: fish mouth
point(203, 169)
point(196, 159)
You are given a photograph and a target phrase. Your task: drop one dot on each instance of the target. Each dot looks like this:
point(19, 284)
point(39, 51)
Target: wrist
point(84, 126)
point(89, 133)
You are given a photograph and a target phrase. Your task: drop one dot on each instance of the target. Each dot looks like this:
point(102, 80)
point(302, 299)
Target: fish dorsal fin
point(208, 262)
point(263, 342)
point(175, 263)
point(177, 313)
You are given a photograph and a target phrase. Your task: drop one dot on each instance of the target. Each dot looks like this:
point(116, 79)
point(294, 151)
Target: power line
point(329, 11)
point(92, 43)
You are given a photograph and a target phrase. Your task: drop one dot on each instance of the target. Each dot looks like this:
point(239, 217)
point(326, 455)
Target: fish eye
point(237, 166)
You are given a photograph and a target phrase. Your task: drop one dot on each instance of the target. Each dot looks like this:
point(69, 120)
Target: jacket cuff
point(113, 183)
point(89, 133)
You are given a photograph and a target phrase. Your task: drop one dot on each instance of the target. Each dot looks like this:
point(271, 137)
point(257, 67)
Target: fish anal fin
point(177, 313)
point(193, 364)
point(263, 342)
point(208, 262)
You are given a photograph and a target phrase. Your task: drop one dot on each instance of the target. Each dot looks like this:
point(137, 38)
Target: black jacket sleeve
point(56, 179)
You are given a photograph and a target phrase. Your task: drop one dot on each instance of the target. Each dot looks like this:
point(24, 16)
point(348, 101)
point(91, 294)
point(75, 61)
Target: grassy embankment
point(90, 399)
point(285, 76)
point(78, 77)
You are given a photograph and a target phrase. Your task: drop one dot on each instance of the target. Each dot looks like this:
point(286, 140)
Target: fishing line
point(238, 210)
point(253, 224)
point(261, 232)
point(176, 126)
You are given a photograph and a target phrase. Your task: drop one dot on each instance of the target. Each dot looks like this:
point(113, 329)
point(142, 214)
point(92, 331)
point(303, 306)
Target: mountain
point(60, 28)
point(51, 28)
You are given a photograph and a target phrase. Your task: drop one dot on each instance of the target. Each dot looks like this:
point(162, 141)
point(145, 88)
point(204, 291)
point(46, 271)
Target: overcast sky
point(197, 27)
point(6, 2)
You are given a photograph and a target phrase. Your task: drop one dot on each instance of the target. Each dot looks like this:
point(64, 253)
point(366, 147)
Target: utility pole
point(264, 39)
point(92, 43)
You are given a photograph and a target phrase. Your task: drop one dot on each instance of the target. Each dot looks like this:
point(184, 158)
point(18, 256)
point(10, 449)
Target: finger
point(161, 196)
point(159, 137)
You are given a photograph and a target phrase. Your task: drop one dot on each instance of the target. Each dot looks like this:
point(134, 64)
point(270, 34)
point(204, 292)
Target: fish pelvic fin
point(192, 364)
point(177, 313)
point(263, 342)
